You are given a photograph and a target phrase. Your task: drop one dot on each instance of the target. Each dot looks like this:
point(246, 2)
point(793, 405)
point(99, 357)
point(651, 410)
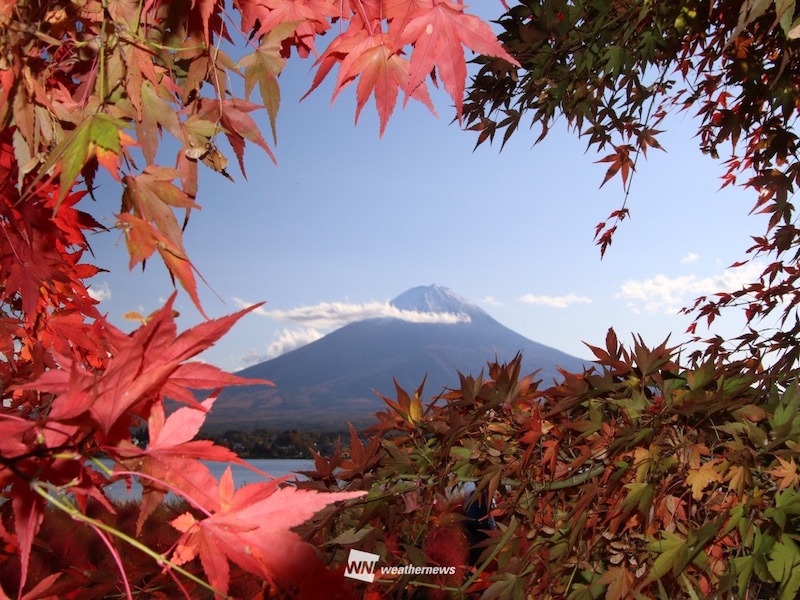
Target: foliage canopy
point(640, 476)
point(615, 69)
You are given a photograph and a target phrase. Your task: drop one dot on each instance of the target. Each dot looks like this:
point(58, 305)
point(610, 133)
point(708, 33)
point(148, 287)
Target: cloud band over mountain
point(327, 316)
point(332, 315)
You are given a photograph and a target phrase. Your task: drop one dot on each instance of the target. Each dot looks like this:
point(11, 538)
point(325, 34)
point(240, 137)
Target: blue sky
point(346, 221)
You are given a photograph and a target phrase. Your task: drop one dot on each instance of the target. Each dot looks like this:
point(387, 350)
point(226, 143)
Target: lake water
point(276, 467)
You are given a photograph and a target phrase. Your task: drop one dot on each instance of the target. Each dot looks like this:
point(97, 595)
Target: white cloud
point(555, 301)
point(100, 292)
point(491, 301)
point(291, 339)
point(689, 258)
point(332, 315)
point(670, 294)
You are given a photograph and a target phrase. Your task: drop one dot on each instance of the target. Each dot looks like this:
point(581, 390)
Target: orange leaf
point(786, 473)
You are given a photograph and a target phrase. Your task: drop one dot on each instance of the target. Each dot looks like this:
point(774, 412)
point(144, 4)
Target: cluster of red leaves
point(636, 478)
point(73, 77)
point(75, 386)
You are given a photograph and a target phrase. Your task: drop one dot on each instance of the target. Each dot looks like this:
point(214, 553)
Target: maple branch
point(145, 44)
point(139, 15)
point(623, 210)
point(548, 486)
point(657, 84)
point(92, 75)
point(220, 99)
point(435, 586)
point(102, 54)
point(61, 452)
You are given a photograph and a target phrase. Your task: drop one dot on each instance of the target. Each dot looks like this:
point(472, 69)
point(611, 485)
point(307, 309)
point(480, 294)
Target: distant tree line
point(268, 443)
point(265, 443)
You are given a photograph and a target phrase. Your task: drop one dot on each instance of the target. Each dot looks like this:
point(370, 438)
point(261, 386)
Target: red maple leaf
point(437, 35)
point(28, 515)
point(29, 260)
point(311, 17)
point(400, 12)
point(252, 528)
point(621, 162)
point(171, 460)
point(141, 367)
point(382, 71)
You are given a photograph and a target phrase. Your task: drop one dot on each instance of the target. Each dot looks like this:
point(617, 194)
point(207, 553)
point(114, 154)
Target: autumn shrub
point(637, 478)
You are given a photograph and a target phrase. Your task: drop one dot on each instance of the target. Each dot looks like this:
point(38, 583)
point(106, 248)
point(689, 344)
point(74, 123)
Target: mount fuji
point(332, 381)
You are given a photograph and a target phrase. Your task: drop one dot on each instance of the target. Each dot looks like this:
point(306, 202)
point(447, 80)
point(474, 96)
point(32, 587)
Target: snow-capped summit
point(436, 299)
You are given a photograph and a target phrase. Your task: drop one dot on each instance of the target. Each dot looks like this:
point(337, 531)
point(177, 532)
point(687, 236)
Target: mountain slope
point(329, 382)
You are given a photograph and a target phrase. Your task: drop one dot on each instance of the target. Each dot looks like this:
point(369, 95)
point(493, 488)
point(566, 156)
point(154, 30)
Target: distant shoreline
point(264, 444)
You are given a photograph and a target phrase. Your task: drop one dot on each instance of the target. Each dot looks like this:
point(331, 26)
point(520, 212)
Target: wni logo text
point(362, 565)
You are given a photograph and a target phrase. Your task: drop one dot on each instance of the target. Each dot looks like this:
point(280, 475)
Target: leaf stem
point(117, 559)
point(171, 488)
point(102, 82)
point(139, 15)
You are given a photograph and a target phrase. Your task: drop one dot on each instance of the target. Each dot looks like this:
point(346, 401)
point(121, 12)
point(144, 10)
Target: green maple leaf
point(263, 67)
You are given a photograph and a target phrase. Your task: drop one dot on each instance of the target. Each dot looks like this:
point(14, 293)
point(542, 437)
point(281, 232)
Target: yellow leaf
point(415, 410)
point(134, 316)
point(738, 476)
point(695, 453)
point(699, 478)
point(644, 459)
